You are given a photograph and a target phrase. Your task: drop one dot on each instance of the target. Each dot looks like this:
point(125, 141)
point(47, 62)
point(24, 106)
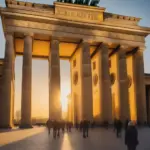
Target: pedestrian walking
point(118, 128)
point(126, 124)
point(115, 124)
point(62, 126)
point(49, 125)
point(81, 126)
point(85, 125)
point(131, 136)
point(56, 129)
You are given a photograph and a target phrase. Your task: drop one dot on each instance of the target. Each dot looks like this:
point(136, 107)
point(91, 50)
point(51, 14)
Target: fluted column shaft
point(104, 84)
point(6, 103)
point(140, 87)
point(26, 83)
point(86, 82)
point(123, 86)
point(54, 81)
point(148, 107)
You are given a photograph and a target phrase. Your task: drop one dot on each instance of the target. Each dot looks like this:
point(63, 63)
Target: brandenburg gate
point(105, 51)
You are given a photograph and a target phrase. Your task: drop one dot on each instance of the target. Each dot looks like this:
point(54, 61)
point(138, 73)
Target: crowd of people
point(62, 125)
point(57, 126)
point(131, 133)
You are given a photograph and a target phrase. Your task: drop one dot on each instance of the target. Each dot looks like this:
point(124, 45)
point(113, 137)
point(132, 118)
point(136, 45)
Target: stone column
point(26, 83)
point(140, 87)
point(86, 82)
point(54, 81)
point(123, 85)
point(148, 107)
point(6, 103)
point(104, 84)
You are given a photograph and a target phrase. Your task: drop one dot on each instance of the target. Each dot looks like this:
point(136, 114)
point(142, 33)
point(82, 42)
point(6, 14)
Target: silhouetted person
point(115, 124)
point(70, 124)
point(67, 126)
point(85, 125)
point(93, 124)
point(131, 136)
point(126, 124)
point(49, 125)
point(77, 125)
point(81, 126)
point(118, 128)
point(54, 128)
point(58, 128)
point(106, 124)
point(63, 126)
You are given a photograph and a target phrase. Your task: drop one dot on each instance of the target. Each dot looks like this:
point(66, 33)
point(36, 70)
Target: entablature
point(72, 14)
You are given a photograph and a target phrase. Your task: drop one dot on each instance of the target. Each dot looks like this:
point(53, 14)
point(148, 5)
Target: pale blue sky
point(137, 8)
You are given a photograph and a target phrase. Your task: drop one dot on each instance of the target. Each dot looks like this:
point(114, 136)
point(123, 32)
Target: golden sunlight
point(64, 99)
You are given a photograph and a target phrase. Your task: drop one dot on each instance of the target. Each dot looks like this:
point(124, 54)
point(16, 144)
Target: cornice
point(46, 13)
point(121, 17)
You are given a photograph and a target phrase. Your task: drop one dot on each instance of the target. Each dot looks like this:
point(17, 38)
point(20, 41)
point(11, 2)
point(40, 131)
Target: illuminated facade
point(105, 51)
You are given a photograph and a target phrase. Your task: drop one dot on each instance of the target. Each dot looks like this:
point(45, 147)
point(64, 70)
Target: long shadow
point(40, 141)
point(16, 128)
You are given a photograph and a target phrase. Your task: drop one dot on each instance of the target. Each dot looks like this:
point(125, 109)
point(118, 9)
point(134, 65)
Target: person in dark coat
point(126, 124)
point(49, 125)
point(58, 123)
point(118, 128)
point(115, 124)
point(67, 126)
point(93, 124)
point(77, 125)
point(85, 126)
point(63, 126)
point(81, 126)
point(131, 136)
point(70, 125)
point(54, 128)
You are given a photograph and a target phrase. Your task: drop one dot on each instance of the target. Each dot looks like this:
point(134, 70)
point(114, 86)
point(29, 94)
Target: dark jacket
point(85, 124)
point(131, 136)
point(119, 124)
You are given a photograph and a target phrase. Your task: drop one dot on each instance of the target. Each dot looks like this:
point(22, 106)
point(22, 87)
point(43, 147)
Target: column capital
point(103, 47)
point(9, 33)
point(29, 34)
point(141, 49)
point(55, 41)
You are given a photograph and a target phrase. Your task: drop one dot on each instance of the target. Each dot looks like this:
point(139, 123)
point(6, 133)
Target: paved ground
point(38, 139)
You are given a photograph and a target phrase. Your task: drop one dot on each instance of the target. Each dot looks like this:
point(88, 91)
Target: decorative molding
point(129, 81)
point(121, 17)
point(95, 79)
point(75, 78)
point(112, 78)
point(11, 3)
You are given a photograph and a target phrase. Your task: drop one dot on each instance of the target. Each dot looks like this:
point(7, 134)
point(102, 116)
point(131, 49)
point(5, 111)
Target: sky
point(137, 8)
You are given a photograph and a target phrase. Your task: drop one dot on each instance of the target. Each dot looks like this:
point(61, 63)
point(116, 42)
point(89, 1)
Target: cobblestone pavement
point(38, 139)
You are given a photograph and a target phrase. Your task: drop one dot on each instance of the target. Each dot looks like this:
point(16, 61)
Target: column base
point(25, 126)
point(6, 127)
